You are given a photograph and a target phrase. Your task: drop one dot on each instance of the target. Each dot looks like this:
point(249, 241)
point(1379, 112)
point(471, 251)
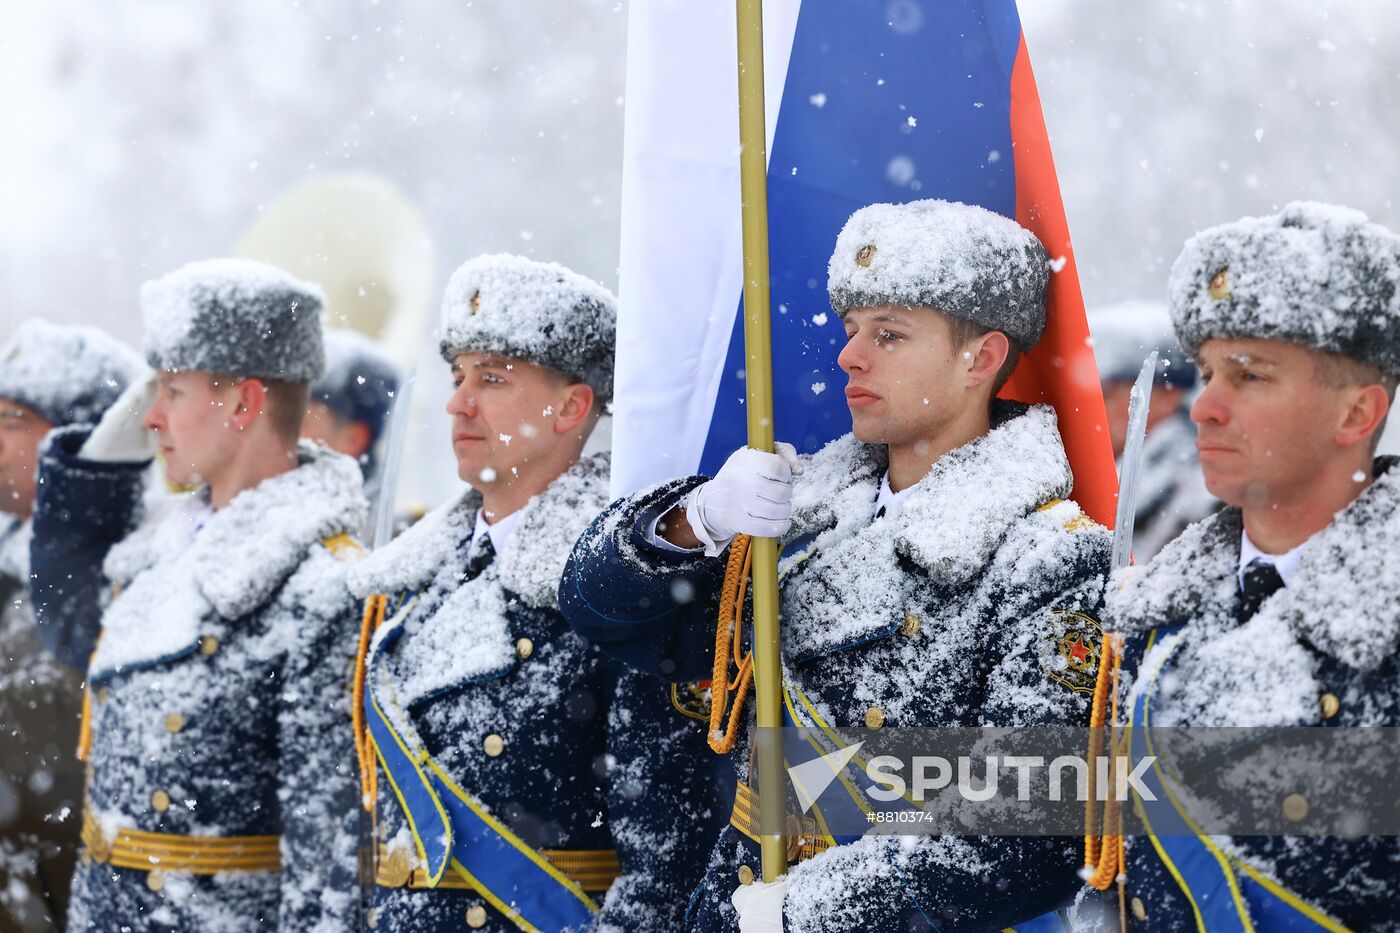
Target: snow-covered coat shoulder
point(1343, 606)
point(464, 624)
point(549, 525)
point(243, 554)
point(993, 511)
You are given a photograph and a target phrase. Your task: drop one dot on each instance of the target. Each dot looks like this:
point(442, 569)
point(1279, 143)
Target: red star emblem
point(1079, 651)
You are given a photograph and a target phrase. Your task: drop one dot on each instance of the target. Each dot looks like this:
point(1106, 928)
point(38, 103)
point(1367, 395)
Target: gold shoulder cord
point(364, 751)
point(729, 634)
point(1103, 851)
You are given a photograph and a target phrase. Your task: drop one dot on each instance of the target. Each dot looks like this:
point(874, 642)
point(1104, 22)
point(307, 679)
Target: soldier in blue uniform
point(50, 376)
point(937, 573)
point(1171, 493)
point(1280, 610)
point(220, 767)
point(350, 404)
point(518, 779)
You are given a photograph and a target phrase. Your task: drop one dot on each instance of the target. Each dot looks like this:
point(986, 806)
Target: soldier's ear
point(987, 353)
point(1365, 414)
point(579, 401)
point(248, 402)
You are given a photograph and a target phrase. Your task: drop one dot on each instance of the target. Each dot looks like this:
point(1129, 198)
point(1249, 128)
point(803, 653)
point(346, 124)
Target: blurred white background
point(139, 135)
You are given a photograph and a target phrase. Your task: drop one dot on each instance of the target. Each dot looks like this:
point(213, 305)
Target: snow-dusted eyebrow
point(882, 317)
point(1249, 359)
point(8, 412)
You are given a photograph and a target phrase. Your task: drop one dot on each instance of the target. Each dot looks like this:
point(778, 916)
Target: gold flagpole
point(758, 388)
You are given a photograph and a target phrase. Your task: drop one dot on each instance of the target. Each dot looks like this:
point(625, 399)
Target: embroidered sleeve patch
point(692, 699)
point(1076, 640)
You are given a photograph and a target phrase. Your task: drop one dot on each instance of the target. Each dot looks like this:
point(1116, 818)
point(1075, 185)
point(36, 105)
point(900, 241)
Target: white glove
point(121, 435)
point(750, 495)
point(760, 906)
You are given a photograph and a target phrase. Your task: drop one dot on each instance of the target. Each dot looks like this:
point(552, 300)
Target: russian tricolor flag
point(867, 101)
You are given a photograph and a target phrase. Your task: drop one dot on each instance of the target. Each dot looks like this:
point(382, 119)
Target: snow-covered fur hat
point(67, 374)
point(539, 312)
point(234, 316)
point(1312, 274)
point(956, 258)
point(360, 380)
point(1126, 333)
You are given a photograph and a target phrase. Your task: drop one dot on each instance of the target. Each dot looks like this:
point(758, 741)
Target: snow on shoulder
point(175, 571)
point(550, 523)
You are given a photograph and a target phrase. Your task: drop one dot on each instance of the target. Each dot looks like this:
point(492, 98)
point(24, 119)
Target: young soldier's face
point(21, 432)
point(190, 418)
point(509, 417)
point(905, 376)
point(1266, 424)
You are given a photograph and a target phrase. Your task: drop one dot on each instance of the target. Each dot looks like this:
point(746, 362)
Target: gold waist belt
point(170, 852)
point(591, 869)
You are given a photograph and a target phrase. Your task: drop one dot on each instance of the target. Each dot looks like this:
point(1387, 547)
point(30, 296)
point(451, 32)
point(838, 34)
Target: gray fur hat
point(1125, 334)
point(234, 316)
point(1313, 274)
point(539, 312)
point(67, 374)
point(360, 380)
point(956, 258)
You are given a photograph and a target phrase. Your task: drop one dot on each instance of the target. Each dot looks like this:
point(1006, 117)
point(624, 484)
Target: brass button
point(395, 868)
point(1139, 909)
point(155, 880)
point(1295, 808)
point(174, 722)
point(208, 645)
point(160, 801)
point(910, 625)
point(372, 918)
point(524, 647)
point(874, 717)
point(476, 916)
point(102, 695)
point(745, 874)
point(493, 745)
point(1331, 705)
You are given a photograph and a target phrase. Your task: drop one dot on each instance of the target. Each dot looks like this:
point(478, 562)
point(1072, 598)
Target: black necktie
point(1261, 580)
point(480, 556)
